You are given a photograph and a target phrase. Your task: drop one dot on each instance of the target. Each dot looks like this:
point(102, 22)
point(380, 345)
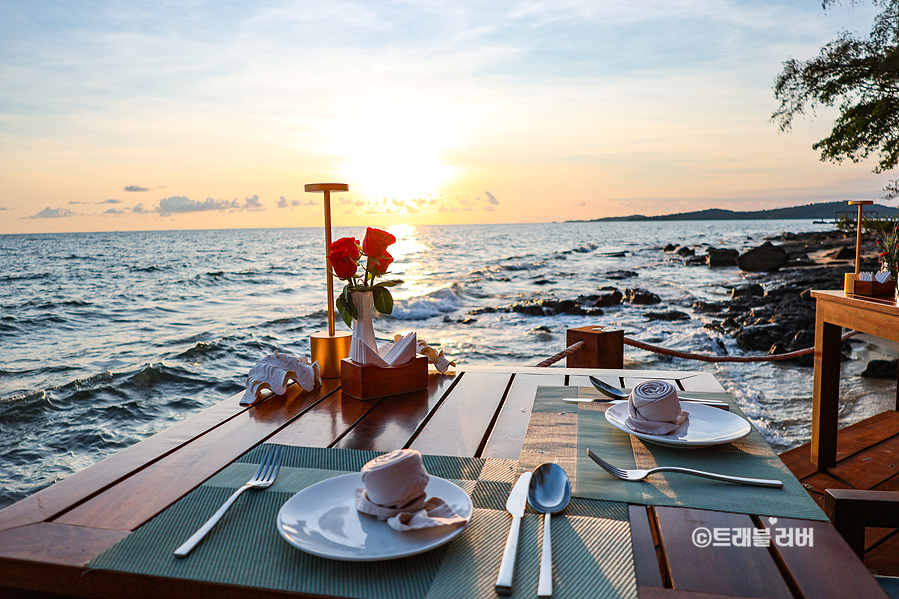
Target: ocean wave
point(433, 304)
point(152, 375)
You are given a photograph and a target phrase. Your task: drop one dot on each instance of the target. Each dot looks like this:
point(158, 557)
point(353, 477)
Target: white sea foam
point(427, 306)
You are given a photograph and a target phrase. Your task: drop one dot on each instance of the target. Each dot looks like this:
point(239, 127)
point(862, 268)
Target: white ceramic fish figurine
point(275, 371)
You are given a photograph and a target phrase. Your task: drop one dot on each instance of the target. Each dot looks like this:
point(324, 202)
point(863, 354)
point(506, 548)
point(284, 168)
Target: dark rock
point(619, 275)
point(529, 309)
point(716, 326)
point(613, 298)
point(669, 315)
point(881, 369)
point(468, 320)
point(765, 258)
point(709, 307)
point(484, 310)
point(670, 247)
point(717, 258)
point(844, 253)
point(752, 290)
point(686, 252)
point(615, 255)
point(641, 297)
point(541, 282)
point(759, 337)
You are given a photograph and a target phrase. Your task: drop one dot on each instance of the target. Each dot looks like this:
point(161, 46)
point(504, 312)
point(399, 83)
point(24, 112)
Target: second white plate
point(322, 520)
point(706, 426)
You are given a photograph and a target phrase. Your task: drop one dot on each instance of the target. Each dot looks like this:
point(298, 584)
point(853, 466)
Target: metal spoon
point(616, 393)
point(549, 492)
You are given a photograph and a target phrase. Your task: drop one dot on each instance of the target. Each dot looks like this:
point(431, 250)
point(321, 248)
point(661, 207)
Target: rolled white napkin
point(395, 491)
point(653, 408)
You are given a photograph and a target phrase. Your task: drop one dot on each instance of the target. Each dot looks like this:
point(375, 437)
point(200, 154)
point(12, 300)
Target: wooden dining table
point(50, 541)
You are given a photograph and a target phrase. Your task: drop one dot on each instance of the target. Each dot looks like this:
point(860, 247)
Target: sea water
point(108, 338)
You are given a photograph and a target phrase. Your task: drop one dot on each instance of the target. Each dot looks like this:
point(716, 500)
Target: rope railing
point(575, 347)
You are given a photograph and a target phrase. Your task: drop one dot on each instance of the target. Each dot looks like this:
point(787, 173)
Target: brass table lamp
point(329, 348)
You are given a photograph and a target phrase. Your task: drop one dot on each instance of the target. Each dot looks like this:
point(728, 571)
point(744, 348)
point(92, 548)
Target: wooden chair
point(853, 510)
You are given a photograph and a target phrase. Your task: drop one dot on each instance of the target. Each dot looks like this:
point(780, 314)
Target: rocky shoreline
point(773, 314)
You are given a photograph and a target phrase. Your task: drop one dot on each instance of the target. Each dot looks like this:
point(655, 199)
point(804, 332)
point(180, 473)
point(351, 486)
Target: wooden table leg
point(826, 397)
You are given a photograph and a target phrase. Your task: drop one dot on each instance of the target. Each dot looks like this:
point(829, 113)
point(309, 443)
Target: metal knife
point(706, 402)
point(515, 505)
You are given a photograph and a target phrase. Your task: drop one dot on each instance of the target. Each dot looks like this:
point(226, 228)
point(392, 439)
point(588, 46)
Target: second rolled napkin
point(653, 408)
point(394, 490)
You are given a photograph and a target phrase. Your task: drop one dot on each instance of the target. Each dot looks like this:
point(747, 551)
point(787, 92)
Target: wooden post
point(603, 347)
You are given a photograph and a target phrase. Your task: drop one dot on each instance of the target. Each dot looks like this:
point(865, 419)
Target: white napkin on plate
point(395, 491)
point(653, 408)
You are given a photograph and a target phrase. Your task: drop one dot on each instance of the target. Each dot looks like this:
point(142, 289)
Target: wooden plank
point(391, 424)
point(851, 440)
point(458, 426)
point(701, 382)
point(650, 592)
point(58, 497)
point(326, 422)
point(726, 570)
point(829, 569)
point(864, 470)
point(52, 543)
point(507, 437)
point(646, 559)
point(130, 502)
point(882, 558)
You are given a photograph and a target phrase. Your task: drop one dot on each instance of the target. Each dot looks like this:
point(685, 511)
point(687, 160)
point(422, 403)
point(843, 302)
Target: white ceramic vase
point(363, 330)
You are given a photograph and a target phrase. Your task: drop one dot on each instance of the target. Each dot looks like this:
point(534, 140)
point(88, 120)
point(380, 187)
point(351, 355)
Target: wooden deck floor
point(867, 458)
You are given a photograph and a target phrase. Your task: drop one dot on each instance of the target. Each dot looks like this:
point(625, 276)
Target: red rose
point(349, 245)
point(342, 256)
point(382, 263)
point(376, 241)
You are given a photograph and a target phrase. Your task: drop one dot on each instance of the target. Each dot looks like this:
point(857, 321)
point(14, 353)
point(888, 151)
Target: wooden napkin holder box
point(367, 381)
point(875, 289)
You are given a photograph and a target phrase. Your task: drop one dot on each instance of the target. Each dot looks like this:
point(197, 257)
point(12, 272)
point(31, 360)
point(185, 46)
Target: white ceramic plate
point(322, 520)
point(706, 426)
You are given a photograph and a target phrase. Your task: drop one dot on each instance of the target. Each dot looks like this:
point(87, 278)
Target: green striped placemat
point(591, 541)
point(750, 456)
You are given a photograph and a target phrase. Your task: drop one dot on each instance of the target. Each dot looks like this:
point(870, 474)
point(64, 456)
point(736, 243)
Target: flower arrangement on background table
point(889, 250)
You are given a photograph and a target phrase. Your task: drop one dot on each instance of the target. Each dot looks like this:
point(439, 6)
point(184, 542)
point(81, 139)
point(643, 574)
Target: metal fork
point(641, 474)
point(264, 477)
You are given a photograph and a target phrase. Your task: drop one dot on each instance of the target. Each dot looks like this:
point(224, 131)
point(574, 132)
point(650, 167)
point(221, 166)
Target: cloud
point(4, 209)
point(114, 211)
point(76, 203)
point(487, 208)
point(139, 209)
point(110, 201)
point(136, 188)
point(54, 213)
point(183, 204)
point(584, 203)
point(491, 199)
point(284, 202)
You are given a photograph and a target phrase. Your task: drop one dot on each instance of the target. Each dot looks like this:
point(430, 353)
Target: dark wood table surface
point(47, 538)
point(835, 310)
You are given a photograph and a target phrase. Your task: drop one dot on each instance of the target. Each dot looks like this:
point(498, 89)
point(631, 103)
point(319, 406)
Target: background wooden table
point(875, 316)
point(47, 538)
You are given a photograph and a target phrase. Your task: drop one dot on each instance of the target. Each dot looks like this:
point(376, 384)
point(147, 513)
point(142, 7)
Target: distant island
point(823, 211)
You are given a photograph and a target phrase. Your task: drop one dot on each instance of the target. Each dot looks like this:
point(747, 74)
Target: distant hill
point(822, 211)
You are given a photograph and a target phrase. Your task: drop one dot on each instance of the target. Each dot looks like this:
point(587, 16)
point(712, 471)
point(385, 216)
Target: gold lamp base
point(329, 350)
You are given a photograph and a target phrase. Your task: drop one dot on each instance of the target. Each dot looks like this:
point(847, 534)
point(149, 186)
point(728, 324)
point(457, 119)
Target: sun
point(397, 152)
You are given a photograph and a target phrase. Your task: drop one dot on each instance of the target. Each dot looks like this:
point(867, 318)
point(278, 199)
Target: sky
point(138, 115)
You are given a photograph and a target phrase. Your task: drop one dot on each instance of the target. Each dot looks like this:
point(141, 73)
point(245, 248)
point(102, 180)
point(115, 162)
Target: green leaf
point(389, 283)
point(344, 311)
point(383, 300)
